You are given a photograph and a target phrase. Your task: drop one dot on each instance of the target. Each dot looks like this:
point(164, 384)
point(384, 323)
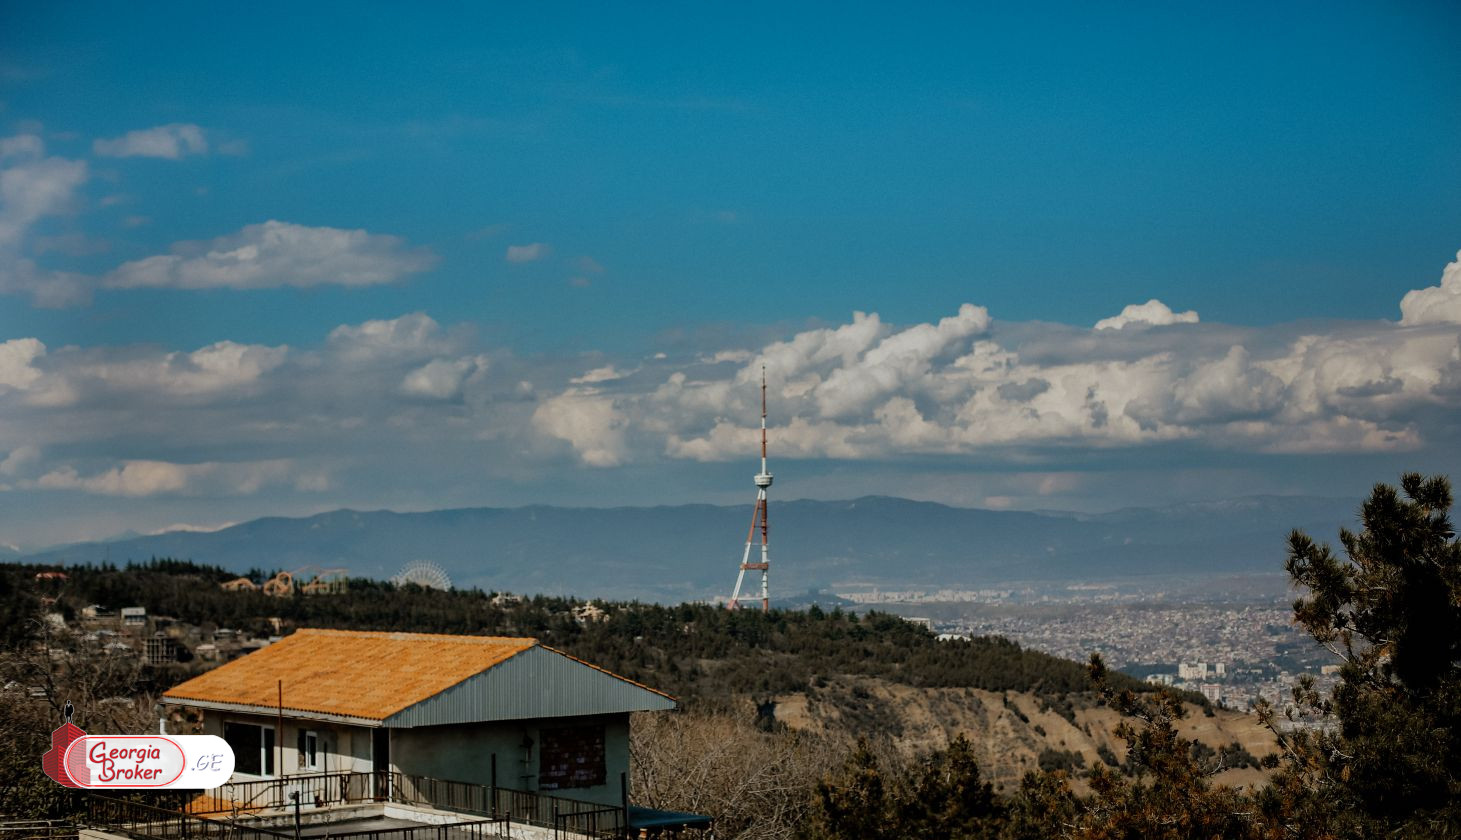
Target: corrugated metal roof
point(414, 679)
point(538, 683)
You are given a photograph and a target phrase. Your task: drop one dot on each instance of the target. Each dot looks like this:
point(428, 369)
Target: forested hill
point(693, 651)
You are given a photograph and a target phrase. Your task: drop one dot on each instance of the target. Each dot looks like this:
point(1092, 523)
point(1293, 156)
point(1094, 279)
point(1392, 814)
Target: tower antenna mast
point(763, 481)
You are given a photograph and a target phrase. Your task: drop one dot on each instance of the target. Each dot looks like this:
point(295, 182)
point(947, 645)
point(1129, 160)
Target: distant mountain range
point(683, 552)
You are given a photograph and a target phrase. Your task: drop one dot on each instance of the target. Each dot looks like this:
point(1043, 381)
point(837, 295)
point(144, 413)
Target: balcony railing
point(36, 829)
point(231, 803)
point(148, 822)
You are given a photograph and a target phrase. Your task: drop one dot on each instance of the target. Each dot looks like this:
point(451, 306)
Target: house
point(502, 712)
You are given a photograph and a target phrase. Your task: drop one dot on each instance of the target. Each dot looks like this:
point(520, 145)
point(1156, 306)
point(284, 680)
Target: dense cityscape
point(1232, 653)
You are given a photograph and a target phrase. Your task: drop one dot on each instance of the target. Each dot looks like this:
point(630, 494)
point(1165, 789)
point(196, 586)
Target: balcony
point(370, 806)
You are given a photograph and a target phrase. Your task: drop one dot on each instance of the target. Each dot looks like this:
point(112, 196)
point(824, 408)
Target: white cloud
point(407, 396)
point(591, 424)
point(963, 386)
point(32, 188)
point(133, 478)
point(409, 337)
point(901, 360)
point(73, 377)
point(17, 459)
point(442, 379)
point(275, 254)
point(786, 360)
point(739, 357)
point(17, 357)
point(226, 367)
point(154, 478)
point(21, 145)
point(607, 373)
point(48, 289)
point(1153, 312)
point(171, 141)
point(527, 253)
point(1435, 304)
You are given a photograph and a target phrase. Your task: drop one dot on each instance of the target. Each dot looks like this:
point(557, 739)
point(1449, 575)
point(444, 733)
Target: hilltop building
point(373, 730)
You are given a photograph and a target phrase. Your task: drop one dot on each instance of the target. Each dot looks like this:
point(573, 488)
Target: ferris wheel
point(423, 573)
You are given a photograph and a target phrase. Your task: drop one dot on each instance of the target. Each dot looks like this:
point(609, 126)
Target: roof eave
point(272, 711)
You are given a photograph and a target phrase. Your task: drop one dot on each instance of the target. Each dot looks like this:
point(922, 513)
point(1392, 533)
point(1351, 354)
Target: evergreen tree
point(1391, 609)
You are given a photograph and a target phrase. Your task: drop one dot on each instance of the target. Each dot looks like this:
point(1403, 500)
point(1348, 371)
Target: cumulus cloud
point(275, 254)
point(442, 379)
point(965, 385)
point(17, 357)
point(589, 422)
point(409, 337)
point(226, 369)
point(408, 396)
point(1152, 313)
point(901, 360)
point(531, 252)
point(171, 141)
point(1435, 304)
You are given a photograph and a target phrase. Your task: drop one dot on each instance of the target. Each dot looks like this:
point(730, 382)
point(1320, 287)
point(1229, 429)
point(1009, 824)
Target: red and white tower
point(763, 481)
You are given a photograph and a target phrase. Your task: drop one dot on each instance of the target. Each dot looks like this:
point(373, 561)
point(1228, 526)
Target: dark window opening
point(571, 757)
point(253, 747)
point(308, 749)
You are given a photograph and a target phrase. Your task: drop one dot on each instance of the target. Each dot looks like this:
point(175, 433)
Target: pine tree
point(1391, 609)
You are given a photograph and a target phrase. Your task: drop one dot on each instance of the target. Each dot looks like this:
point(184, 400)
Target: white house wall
point(342, 749)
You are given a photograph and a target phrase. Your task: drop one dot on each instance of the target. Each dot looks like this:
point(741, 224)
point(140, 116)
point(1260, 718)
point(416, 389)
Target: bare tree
point(755, 784)
point(38, 677)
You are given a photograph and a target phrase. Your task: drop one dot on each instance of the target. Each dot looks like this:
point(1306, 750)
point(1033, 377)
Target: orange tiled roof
point(351, 673)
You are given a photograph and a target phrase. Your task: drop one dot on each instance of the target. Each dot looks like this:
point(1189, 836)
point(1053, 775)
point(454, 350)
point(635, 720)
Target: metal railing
point(593, 822)
point(36, 829)
point(148, 822)
point(137, 819)
point(316, 789)
point(564, 816)
point(541, 809)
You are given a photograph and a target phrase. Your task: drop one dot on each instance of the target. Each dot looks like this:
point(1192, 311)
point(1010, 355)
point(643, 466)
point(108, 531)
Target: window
point(308, 746)
point(571, 757)
point(253, 747)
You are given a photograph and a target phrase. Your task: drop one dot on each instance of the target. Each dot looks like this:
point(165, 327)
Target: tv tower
point(763, 480)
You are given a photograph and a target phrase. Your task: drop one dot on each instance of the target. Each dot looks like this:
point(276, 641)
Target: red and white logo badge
point(78, 760)
point(124, 761)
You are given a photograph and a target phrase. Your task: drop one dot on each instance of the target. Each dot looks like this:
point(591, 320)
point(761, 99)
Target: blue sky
point(260, 259)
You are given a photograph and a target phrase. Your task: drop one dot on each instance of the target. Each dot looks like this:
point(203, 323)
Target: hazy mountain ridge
point(691, 551)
